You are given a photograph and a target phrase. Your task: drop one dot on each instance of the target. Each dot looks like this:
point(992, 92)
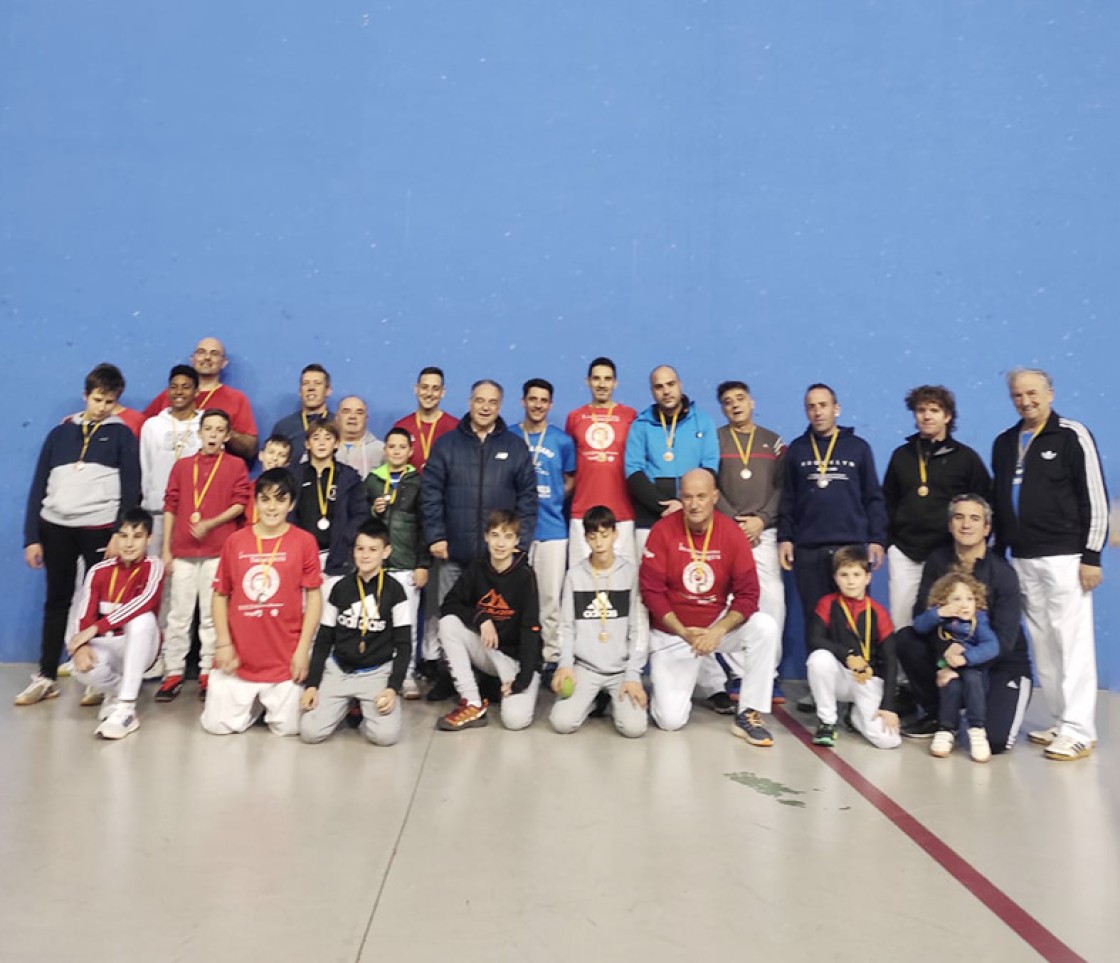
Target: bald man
point(698, 581)
point(358, 447)
point(209, 360)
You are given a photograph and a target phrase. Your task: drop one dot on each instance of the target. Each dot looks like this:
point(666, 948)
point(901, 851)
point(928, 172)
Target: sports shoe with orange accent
point(464, 717)
point(169, 689)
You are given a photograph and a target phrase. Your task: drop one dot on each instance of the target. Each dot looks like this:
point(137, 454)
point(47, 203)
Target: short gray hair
point(1015, 373)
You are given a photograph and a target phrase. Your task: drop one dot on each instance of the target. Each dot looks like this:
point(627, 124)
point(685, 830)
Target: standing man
point(358, 447)
point(478, 467)
point(667, 440)
point(554, 463)
point(1052, 514)
point(699, 583)
point(314, 390)
point(1009, 675)
point(923, 475)
point(599, 430)
point(427, 422)
point(209, 360)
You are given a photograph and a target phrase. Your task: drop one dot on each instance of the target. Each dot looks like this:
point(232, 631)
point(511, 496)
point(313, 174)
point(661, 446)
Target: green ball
point(567, 687)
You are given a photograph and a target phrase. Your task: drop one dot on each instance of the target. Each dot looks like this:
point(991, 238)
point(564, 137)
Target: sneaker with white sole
point(122, 720)
point(41, 688)
point(1043, 737)
point(410, 690)
point(154, 672)
point(106, 709)
point(66, 669)
point(91, 697)
point(942, 744)
point(748, 725)
point(1068, 748)
point(978, 746)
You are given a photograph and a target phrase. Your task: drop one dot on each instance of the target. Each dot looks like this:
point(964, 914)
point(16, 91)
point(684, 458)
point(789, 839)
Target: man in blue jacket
point(477, 468)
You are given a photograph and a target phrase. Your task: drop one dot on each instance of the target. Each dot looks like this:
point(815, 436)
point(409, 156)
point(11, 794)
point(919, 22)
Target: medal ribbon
point(201, 406)
point(707, 539)
point(124, 588)
point(536, 451)
point(89, 429)
point(363, 619)
point(267, 566)
point(822, 466)
point(744, 458)
point(1023, 449)
point(670, 433)
point(602, 602)
point(922, 473)
point(319, 491)
point(196, 495)
point(865, 642)
point(425, 443)
point(389, 485)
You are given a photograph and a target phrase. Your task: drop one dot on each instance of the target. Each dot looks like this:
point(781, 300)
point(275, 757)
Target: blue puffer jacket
point(466, 479)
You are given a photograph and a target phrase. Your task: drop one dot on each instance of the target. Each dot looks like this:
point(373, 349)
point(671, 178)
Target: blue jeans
point(968, 691)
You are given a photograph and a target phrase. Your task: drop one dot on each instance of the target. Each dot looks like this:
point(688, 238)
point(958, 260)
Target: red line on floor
point(1018, 919)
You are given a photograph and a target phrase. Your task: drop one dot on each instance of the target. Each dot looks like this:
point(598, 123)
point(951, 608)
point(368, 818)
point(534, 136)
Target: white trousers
point(569, 714)
point(122, 659)
point(578, 549)
point(191, 580)
point(831, 682)
point(407, 580)
point(1059, 617)
point(463, 649)
point(335, 693)
point(547, 560)
point(905, 577)
point(674, 669)
point(233, 705)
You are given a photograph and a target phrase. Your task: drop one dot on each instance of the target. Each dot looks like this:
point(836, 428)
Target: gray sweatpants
point(569, 714)
point(463, 648)
point(335, 693)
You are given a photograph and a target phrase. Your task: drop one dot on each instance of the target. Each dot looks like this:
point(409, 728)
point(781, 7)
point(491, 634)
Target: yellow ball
point(567, 687)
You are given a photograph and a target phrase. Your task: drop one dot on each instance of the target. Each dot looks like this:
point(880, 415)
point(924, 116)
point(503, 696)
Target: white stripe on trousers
point(905, 577)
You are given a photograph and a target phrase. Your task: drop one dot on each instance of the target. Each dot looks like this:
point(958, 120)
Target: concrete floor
point(490, 845)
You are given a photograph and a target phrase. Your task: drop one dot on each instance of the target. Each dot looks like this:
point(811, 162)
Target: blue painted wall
point(871, 194)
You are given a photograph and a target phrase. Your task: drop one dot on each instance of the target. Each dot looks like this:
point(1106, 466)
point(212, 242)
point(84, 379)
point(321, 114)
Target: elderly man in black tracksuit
point(478, 467)
point(1009, 675)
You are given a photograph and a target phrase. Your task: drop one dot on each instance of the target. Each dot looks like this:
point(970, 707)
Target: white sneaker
point(66, 669)
point(410, 690)
point(155, 671)
point(1068, 748)
point(1043, 737)
point(978, 745)
point(91, 697)
point(122, 720)
point(41, 688)
point(942, 743)
point(108, 704)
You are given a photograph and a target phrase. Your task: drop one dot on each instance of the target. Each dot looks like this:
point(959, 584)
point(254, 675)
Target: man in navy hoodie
point(830, 498)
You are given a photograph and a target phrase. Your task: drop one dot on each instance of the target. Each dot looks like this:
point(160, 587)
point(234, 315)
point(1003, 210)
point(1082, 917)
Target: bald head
point(352, 417)
point(665, 386)
point(209, 359)
point(698, 496)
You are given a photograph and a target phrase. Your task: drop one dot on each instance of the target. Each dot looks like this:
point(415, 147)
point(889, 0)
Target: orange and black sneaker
point(464, 717)
point(169, 689)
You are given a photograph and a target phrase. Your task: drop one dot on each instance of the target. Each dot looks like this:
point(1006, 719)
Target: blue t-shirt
point(553, 454)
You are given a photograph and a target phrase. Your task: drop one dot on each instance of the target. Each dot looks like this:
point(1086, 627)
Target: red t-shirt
point(425, 435)
point(264, 583)
point(230, 400)
point(600, 438)
point(133, 418)
point(695, 585)
point(230, 486)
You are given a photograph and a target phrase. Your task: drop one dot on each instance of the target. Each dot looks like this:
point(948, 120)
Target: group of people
point(630, 561)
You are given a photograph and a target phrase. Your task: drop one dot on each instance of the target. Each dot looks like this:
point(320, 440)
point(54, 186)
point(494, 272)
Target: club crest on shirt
point(698, 578)
point(599, 435)
point(260, 583)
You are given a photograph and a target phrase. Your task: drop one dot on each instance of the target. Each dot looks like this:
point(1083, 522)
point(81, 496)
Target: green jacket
point(402, 516)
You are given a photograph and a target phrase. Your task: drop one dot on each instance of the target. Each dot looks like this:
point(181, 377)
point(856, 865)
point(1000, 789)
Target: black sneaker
point(848, 724)
point(548, 670)
point(720, 703)
point(442, 689)
point(807, 704)
point(924, 728)
point(825, 735)
point(601, 706)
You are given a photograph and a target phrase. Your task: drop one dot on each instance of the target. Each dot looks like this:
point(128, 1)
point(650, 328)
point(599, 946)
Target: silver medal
point(324, 524)
point(745, 474)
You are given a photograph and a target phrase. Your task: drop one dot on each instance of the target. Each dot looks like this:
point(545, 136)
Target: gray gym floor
point(490, 845)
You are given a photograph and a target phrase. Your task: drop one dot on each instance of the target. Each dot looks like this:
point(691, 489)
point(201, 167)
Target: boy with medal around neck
point(554, 462)
point(362, 649)
point(331, 501)
point(394, 489)
point(852, 656)
point(118, 636)
point(604, 642)
point(267, 606)
point(699, 583)
point(88, 472)
point(923, 476)
point(206, 495)
point(830, 498)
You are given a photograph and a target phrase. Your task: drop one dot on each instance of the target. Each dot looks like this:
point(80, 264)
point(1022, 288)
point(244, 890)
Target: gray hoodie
point(596, 603)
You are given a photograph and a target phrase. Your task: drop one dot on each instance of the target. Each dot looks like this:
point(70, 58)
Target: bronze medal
point(668, 456)
point(196, 517)
point(923, 490)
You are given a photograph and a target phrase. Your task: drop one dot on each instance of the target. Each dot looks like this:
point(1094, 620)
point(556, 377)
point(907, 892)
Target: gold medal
point(196, 517)
point(923, 490)
point(668, 456)
point(604, 636)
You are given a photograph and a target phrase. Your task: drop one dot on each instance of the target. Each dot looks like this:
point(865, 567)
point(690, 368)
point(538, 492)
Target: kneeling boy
point(603, 643)
point(489, 621)
point(362, 649)
point(118, 636)
point(851, 656)
point(266, 607)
